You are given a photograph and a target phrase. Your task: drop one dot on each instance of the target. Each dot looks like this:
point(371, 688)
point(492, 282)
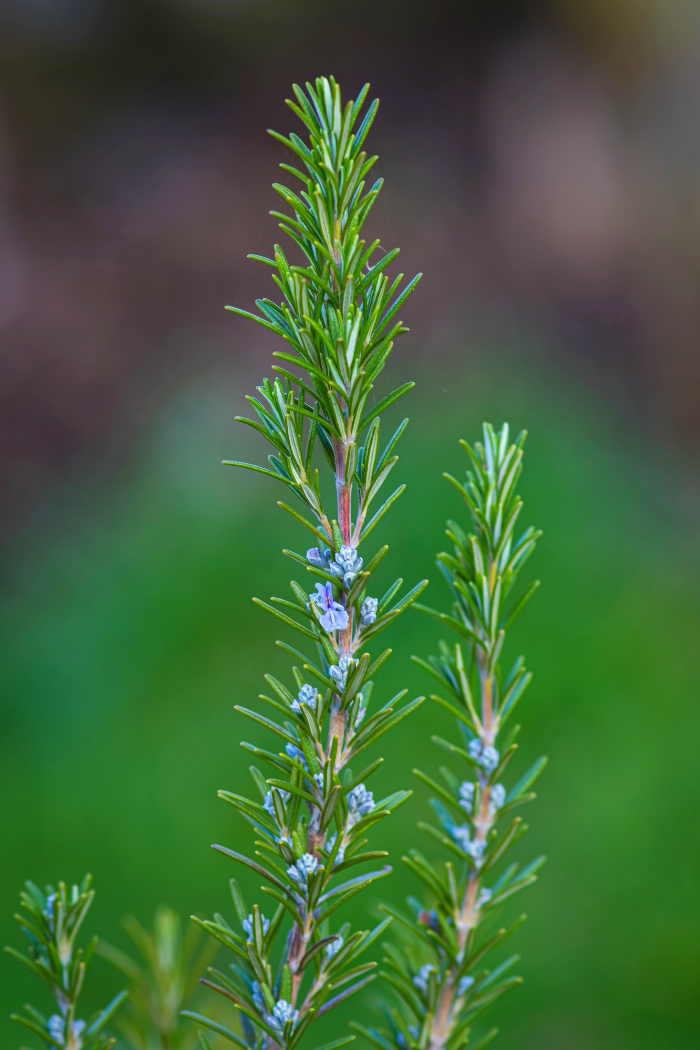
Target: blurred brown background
point(542, 163)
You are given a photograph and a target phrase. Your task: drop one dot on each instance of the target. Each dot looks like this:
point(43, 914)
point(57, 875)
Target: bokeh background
point(542, 160)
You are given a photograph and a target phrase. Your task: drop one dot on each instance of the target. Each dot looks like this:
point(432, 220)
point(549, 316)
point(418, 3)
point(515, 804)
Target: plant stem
point(338, 718)
point(467, 915)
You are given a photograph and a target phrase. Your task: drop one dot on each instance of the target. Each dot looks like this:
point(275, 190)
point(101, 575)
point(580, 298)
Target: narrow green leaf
point(252, 466)
point(286, 619)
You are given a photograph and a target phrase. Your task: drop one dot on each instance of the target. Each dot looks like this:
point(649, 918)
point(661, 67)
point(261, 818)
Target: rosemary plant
point(51, 922)
point(443, 987)
point(338, 317)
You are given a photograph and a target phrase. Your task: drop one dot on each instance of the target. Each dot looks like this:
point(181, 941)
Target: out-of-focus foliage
point(128, 637)
point(163, 983)
point(556, 176)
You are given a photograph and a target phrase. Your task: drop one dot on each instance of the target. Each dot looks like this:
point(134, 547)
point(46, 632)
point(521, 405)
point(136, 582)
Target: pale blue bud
point(284, 1012)
point(248, 926)
point(422, 977)
point(299, 872)
point(333, 948)
point(464, 985)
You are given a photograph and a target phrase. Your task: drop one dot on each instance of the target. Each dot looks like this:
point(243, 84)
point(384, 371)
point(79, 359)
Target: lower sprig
point(310, 823)
point(51, 921)
point(440, 979)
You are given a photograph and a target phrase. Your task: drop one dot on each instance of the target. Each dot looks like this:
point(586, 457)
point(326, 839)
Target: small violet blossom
point(401, 1038)
point(321, 559)
point(299, 872)
point(360, 803)
point(498, 797)
point(466, 796)
point(248, 926)
point(295, 752)
point(346, 564)
point(259, 998)
point(339, 671)
point(308, 694)
point(473, 849)
point(484, 897)
point(269, 805)
point(429, 919)
point(334, 947)
point(487, 757)
point(57, 1027)
point(361, 710)
point(48, 910)
point(464, 985)
point(330, 846)
point(369, 611)
point(422, 977)
point(57, 1031)
point(282, 1013)
point(335, 617)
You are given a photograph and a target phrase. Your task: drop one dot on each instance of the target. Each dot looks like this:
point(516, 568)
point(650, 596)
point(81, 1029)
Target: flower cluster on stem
point(338, 317)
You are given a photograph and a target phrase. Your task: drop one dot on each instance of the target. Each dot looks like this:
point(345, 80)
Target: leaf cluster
point(338, 312)
point(51, 921)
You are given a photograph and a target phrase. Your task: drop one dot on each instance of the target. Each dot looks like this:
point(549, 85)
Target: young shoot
point(440, 980)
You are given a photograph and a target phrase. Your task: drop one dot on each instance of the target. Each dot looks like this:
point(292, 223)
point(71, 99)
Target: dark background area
point(542, 166)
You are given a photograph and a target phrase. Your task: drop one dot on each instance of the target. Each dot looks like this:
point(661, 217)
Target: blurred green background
point(130, 635)
point(542, 164)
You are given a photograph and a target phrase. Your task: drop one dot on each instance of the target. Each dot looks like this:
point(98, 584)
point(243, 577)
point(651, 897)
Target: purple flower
point(299, 872)
point(422, 977)
point(269, 805)
point(335, 617)
point(360, 804)
point(487, 757)
point(48, 910)
point(57, 1030)
point(466, 796)
point(498, 798)
point(471, 847)
point(282, 1014)
point(308, 694)
point(346, 564)
point(340, 855)
point(484, 897)
point(295, 752)
point(321, 559)
point(339, 671)
point(334, 947)
point(248, 926)
point(259, 998)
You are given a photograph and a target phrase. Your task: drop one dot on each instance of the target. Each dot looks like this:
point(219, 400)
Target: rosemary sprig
point(51, 921)
point(441, 984)
point(338, 316)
